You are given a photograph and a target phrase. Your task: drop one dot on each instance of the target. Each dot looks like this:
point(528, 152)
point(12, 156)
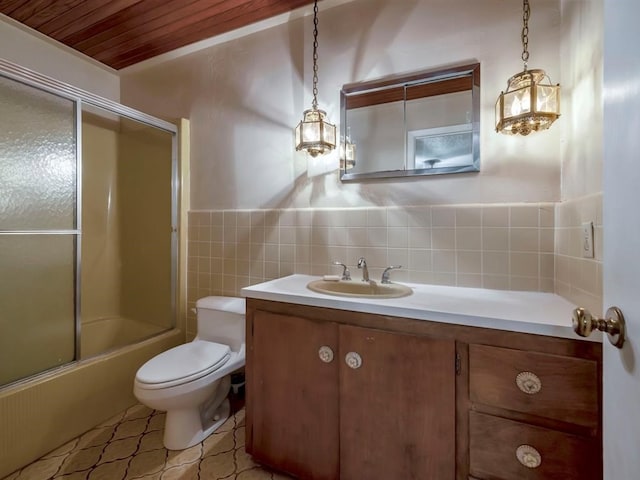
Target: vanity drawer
point(501, 448)
point(552, 386)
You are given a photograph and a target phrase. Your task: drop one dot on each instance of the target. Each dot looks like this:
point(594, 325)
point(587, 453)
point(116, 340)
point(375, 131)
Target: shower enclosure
point(88, 222)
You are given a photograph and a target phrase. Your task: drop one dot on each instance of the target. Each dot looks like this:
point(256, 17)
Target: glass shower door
point(38, 230)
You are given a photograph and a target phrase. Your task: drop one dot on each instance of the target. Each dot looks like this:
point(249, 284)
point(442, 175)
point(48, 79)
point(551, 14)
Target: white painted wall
point(29, 49)
point(245, 96)
point(582, 51)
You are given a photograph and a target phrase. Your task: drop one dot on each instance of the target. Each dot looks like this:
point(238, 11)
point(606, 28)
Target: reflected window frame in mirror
point(397, 92)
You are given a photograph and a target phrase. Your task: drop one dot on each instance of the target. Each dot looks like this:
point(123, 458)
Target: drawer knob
point(353, 360)
point(528, 382)
point(326, 354)
point(528, 456)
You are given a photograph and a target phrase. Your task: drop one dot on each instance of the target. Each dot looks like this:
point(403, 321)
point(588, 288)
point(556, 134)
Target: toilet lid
point(185, 362)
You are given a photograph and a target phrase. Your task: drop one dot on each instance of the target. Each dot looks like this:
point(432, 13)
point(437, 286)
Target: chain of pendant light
point(526, 13)
point(315, 55)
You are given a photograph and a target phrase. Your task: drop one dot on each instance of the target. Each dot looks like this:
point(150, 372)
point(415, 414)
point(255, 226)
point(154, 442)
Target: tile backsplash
point(579, 279)
point(501, 246)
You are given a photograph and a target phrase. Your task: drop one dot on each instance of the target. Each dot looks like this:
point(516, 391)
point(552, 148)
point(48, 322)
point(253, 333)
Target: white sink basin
point(354, 288)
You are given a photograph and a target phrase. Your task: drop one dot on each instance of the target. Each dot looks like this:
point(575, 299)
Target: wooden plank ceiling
point(120, 33)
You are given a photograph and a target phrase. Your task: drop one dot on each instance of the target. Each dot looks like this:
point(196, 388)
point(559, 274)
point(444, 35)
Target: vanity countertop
point(526, 312)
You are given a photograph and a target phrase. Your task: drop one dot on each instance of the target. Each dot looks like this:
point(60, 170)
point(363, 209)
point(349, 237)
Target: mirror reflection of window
point(441, 147)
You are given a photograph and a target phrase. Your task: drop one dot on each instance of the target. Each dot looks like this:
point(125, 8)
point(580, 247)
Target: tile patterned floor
point(129, 446)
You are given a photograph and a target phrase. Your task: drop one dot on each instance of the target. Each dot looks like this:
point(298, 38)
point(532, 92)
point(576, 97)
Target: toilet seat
point(182, 364)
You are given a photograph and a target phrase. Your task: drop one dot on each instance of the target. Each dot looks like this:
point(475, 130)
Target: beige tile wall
point(489, 246)
point(579, 279)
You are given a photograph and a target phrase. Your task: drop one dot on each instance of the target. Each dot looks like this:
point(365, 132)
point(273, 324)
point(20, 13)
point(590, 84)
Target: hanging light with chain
point(347, 152)
point(314, 134)
point(528, 105)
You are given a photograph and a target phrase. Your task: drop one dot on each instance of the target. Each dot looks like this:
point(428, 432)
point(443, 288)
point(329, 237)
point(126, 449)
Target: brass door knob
point(613, 324)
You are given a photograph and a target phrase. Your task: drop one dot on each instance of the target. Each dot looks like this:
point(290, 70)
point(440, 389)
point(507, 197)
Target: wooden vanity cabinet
point(388, 414)
point(426, 401)
point(397, 410)
point(292, 396)
point(534, 415)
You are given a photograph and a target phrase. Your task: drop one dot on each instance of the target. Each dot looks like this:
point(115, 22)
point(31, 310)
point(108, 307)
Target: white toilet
point(191, 381)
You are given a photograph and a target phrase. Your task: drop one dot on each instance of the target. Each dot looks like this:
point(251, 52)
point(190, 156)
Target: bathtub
point(105, 334)
point(46, 411)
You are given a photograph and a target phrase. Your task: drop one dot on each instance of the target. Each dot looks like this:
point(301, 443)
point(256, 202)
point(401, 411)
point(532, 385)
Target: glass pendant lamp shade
point(347, 152)
point(314, 134)
point(528, 105)
point(349, 156)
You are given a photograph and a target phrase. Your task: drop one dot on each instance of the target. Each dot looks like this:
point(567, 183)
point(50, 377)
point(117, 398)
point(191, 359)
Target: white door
point(621, 194)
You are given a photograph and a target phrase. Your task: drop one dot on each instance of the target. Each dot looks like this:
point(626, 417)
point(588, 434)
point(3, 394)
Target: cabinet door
point(292, 396)
point(397, 409)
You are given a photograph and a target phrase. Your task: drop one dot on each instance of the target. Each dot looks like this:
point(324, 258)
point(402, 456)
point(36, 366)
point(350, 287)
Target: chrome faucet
point(362, 263)
point(346, 274)
point(385, 274)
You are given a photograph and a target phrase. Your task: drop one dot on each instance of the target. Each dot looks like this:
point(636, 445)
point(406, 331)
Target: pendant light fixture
point(347, 152)
point(314, 134)
point(528, 105)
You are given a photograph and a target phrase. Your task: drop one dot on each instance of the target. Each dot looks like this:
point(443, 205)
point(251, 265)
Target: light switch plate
point(587, 239)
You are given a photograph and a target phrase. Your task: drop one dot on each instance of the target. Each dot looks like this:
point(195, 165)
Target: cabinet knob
point(353, 360)
point(528, 456)
point(613, 324)
point(326, 354)
point(528, 382)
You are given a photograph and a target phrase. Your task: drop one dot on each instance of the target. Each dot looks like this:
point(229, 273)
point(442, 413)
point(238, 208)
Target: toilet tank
point(222, 320)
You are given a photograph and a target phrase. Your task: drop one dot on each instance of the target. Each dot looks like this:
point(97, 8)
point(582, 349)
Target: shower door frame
point(80, 97)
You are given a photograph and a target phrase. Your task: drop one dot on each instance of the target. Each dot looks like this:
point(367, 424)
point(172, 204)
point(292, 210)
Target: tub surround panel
point(144, 191)
point(507, 247)
point(101, 255)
